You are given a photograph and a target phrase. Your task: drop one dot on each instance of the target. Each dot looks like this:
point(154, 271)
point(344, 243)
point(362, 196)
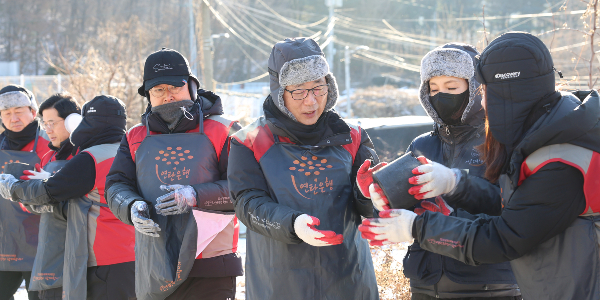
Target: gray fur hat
point(296, 61)
point(456, 60)
point(16, 96)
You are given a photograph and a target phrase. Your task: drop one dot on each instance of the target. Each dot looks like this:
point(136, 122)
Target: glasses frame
point(170, 88)
point(308, 91)
point(50, 125)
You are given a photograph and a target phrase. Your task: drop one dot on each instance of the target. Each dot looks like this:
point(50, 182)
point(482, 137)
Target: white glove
point(41, 209)
point(304, 225)
point(6, 183)
point(39, 174)
point(140, 216)
point(178, 201)
point(394, 226)
point(380, 201)
point(435, 179)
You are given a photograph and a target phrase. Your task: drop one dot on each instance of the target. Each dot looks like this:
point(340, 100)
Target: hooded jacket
point(454, 147)
point(121, 182)
point(279, 264)
point(553, 250)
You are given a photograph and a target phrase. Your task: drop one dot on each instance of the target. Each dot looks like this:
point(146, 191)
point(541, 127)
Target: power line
point(261, 76)
point(289, 21)
point(235, 18)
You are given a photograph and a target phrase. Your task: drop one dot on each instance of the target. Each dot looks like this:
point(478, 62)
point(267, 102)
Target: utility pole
point(193, 48)
point(347, 56)
point(207, 49)
point(332, 4)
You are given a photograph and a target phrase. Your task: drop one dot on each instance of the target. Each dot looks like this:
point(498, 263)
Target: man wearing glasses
point(23, 140)
point(292, 180)
point(169, 180)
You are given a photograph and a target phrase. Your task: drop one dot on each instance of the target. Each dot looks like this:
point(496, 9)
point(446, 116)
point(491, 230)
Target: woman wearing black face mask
point(450, 95)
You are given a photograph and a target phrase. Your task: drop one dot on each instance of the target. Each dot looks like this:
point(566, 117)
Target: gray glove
point(6, 183)
point(41, 209)
point(140, 217)
point(180, 199)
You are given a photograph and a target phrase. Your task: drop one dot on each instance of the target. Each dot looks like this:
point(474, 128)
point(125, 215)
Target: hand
point(178, 201)
point(140, 216)
point(380, 201)
point(6, 183)
point(394, 226)
point(364, 176)
point(38, 174)
point(441, 207)
point(41, 209)
point(436, 179)
point(306, 231)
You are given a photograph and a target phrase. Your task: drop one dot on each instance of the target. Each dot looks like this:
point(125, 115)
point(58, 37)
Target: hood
point(575, 119)
point(456, 60)
point(207, 104)
point(518, 73)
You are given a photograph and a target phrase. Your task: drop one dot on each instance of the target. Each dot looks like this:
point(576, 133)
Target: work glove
point(364, 176)
point(6, 183)
point(394, 226)
point(441, 207)
point(380, 201)
point(140, 216)
point(435, 179)
point(180, 199)
point(41, 209)
point(39, 173)
point(304, 225)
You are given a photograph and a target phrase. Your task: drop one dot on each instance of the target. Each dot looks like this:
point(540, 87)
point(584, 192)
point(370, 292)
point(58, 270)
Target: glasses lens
point(175, 89)
point(320, 90)
point(157, 91)
point(299, 94)
point(48, 126)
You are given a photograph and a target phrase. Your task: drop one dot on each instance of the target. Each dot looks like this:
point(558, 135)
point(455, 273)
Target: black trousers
point(201, 288)
point(51, 294)
point(10, 283)
point(111, 282)
point(426, 297)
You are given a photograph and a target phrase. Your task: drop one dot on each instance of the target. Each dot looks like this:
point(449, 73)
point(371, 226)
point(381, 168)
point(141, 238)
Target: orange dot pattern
point(6, 162)
point(171, 156)
point(308, 167)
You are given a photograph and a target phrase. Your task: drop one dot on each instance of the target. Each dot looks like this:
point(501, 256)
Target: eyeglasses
point(300, 94)
point(159, 91)
point(50, 125)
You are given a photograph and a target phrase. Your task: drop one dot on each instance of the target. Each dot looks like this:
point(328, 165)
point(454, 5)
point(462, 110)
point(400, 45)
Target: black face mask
point(450, 107)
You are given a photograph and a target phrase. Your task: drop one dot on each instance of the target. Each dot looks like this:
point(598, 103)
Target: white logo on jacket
point(508, 75)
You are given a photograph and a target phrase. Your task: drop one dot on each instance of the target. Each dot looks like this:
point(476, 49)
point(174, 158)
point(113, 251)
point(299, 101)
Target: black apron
point(49, 260)
point(315, 181)
point(18, 229)
point(163, 263)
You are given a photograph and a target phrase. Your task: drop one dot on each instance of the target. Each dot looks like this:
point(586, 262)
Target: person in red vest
point(169, 181)
point(103, 267)
point(542, 146)
point(25, 141)
point(56, 112)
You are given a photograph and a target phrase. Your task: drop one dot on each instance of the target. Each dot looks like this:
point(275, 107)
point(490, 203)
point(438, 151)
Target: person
point(292, 180)
point(169, 181)
point(542, 147)
point(23, 140)
point(55, 113)
point(104, 267)
point(450, 95)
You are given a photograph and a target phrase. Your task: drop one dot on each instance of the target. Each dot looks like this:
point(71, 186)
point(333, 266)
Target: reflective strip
point(93, 214)
point(578, 157)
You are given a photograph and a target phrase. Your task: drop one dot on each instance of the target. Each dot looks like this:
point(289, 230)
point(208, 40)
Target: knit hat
point(16, 96)
point(296, 61)
point(455, 60)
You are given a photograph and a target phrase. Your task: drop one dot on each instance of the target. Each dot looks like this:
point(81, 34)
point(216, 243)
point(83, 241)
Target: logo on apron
point(310, 178)
point(9, 162)
point(167, 163)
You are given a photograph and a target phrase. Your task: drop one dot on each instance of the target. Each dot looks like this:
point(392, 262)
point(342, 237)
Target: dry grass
point(391, 282)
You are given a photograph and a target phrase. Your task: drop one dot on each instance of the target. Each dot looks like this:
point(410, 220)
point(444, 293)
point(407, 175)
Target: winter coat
point(10, 212)
point(454, 147)
point(220, 258)
point(274, 178)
